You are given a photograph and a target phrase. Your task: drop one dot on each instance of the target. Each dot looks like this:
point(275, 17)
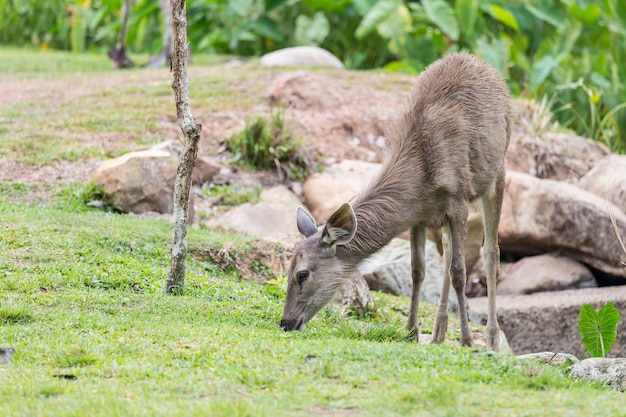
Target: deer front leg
point(418, 270)
point(441, 319)
point(491, 206)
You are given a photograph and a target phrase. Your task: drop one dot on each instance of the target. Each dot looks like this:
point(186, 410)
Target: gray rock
point(609, 371)
point(6, 353)
point(548, 321)
point(325, 191)
point(270, 219)
point(356, 294)
point(607, 179)
point(301, 56)
point(544, 273)
point(389, 270)
point(540, 216)
point(551, 358)
point(139, 182)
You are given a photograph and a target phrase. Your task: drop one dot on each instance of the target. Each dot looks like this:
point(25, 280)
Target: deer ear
point(341, 226)
point(306, 224)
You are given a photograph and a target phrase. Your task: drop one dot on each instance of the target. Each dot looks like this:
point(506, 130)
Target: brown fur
point(444, 150)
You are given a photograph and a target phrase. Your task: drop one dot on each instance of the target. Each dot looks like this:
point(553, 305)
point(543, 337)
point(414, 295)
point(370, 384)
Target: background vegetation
point(568, 52)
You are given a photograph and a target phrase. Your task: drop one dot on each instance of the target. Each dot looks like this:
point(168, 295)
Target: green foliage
point(264, 144)
point(598, 329)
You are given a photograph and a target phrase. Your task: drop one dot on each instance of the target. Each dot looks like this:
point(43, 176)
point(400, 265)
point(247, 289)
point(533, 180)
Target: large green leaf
point(311, 31)
point(598, 329)
point(502, 15)
point(542, 68)
point(441, 14)
point(466, 13)
point(374, 16)
point(547, 12)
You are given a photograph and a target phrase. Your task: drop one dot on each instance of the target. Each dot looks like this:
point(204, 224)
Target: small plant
point(598, 329)
point(265, 144)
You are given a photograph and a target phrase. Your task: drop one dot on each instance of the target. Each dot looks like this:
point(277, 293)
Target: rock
point(6, 353)
point(205, 169)
point(301, 56)
point(609, 371)
point(544, 273)
point(389, 270)
point(607, 179)
point(356, 294)
point(548, 154)
point(139, 182)
point(540, 216)
point(551, 358)
point(325, 191)
point(548, 321)
point(271, 218)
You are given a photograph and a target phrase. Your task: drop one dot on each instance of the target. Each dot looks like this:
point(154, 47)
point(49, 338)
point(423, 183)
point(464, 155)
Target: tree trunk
point(168, 37)
point(118, 54)
point(191, 130)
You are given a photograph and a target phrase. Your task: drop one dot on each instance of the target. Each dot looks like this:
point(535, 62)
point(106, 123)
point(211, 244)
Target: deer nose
point(287, 325)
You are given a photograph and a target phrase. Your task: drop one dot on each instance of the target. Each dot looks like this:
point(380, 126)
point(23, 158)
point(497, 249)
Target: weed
point(265, 144)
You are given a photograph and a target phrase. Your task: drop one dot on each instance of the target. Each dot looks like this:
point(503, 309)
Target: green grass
point(81, 302)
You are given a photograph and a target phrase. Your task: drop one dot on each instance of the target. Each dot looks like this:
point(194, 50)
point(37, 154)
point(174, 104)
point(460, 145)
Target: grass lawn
point(82, 302)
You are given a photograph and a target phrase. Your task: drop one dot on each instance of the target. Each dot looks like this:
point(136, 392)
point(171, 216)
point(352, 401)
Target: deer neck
point(383, 211)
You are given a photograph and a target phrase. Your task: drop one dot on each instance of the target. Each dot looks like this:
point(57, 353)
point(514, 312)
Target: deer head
point(316, 272)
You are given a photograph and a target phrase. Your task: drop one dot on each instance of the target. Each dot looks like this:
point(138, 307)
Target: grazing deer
point(444, 150)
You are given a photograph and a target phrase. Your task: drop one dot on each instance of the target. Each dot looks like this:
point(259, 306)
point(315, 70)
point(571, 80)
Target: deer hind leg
point(456, 231)
point(441, 319)
point(418, 270)
point(491, 206)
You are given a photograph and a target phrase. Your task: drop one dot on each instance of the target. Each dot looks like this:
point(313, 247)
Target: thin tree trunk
point(191, 130)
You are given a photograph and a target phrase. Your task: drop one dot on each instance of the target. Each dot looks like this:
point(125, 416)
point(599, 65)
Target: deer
point(444, 149)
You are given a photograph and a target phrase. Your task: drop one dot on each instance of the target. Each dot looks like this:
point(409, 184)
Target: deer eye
point(302, 275)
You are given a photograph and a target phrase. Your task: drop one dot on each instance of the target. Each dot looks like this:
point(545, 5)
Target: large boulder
point(301, 56)
point(272, 218)
point(609, 371)
point(325, 191)
point(540, 216)
point(607, 179)
point(548, 321)
point(538, 151)
point(139, 182)
point(545, 272)
point(389, 270)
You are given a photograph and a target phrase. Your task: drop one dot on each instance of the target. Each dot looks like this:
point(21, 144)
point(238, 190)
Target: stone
point(551, 358)
point(545, 272)
point(607, 179)
point(540, 216)
point(139, 182)
point(270, 219)
point(609, 371)
point(6, 354)
point(204, 170)
point(356, 294)
point(326, 191)
point(553, 155)
point(548, 321)
point(389, 270)
point(301, 56)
